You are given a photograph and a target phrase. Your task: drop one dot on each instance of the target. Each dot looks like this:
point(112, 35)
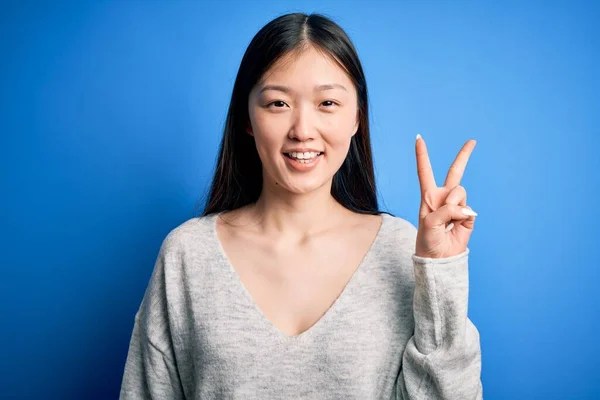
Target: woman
point(292, 284)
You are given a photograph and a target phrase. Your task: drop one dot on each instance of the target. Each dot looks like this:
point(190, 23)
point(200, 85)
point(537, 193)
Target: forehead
point(308, 66)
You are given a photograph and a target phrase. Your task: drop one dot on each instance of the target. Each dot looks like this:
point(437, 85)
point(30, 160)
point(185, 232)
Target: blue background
point(111, 114)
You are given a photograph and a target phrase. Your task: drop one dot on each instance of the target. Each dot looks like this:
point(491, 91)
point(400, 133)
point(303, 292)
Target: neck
point(278, 211)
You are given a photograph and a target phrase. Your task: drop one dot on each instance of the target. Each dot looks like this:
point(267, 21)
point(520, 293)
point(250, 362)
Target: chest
point(359, 341)
point(293, 288)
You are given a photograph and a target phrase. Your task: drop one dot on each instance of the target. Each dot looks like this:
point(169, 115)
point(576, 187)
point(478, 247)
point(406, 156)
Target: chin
point(306, 187)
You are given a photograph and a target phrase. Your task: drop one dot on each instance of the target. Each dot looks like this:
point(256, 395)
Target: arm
point(151, 370)
point(442, 360)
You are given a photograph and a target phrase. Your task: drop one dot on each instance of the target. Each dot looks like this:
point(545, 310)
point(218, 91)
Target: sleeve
point(442, 360)
point(151, 369)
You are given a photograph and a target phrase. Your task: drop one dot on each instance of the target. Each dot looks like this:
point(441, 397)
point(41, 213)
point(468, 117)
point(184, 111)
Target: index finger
point(457, 168)
point(424, 170)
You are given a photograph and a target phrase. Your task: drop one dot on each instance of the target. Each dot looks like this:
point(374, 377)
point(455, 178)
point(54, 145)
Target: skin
point(304, 245)
point(441, 206)
point(296, 248)
point(292, 203)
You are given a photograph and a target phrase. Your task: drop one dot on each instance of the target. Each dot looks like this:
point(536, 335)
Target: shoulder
point(397, 236)
point(399, 226)
point(194, 234)
point(388, 226)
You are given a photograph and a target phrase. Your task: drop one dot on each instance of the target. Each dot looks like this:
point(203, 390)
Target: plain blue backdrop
point(111, 114)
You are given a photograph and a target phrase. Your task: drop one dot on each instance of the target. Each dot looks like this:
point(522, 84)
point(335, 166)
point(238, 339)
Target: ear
point(249, 130)
point(357, 124)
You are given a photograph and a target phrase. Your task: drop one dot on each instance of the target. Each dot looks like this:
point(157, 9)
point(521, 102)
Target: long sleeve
point(151, 369)
point(442, 360)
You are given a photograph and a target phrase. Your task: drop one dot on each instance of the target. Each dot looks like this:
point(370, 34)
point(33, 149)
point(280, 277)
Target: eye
point(282, 104)
point(329, 103)
point(279, 103)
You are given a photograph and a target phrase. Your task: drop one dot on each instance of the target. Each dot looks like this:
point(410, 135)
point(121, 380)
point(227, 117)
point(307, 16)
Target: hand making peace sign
point(444, 230)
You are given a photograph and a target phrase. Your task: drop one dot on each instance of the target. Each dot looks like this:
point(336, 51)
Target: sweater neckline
point(331, 311)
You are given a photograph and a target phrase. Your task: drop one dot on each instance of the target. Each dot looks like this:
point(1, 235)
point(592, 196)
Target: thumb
point(447, 213)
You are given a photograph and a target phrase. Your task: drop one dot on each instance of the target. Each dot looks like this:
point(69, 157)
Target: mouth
point(303, 164)
point(307, 160)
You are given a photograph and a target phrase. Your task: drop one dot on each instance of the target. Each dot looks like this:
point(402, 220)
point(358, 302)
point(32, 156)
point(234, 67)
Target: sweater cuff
point(445, 260)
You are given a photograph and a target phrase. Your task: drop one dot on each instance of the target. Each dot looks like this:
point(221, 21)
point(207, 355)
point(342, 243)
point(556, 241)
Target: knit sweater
point(398, 330)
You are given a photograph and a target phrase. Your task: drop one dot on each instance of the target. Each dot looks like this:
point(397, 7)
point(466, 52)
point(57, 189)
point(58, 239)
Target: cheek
point(335, 129)
point(340, 129)
point(268, 142)
point(266, 130)
point(344, 119)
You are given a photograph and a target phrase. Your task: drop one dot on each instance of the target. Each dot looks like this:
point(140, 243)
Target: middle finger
point(457, 168)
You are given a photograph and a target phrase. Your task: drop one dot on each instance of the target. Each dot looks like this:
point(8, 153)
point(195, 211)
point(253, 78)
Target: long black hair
point(238, 175)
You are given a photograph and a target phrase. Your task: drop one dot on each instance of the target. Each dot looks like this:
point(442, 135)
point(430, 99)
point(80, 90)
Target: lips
point(301, 165)
point(288, 155)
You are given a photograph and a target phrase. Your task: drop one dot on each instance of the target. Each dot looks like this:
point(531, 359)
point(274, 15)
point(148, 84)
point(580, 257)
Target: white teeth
point(303, 156)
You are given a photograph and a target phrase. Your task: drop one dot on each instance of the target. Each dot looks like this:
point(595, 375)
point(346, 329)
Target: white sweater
point(399, 329)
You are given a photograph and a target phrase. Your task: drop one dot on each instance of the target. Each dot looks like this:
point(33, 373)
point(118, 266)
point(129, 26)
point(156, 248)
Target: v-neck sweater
point(398, 330)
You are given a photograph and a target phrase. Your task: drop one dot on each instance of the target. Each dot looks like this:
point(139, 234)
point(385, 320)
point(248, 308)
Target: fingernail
point(418, 136)
point(468, 211)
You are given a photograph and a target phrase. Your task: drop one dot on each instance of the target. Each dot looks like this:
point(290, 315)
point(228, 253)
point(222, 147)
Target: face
point(305, 103)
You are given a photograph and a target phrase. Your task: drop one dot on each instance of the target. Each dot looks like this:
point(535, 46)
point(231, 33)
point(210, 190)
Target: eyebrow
point(286, 89)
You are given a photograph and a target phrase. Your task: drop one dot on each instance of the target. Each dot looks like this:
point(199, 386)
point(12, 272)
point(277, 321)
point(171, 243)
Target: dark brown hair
point(237, 179)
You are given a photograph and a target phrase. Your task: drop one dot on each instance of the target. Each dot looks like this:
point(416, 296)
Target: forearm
point(442, 360)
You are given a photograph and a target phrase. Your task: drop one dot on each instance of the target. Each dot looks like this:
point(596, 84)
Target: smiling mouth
point(304, 160)
point(289, 155)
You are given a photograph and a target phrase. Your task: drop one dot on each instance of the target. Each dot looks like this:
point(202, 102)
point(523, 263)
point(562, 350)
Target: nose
point(303, 126)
